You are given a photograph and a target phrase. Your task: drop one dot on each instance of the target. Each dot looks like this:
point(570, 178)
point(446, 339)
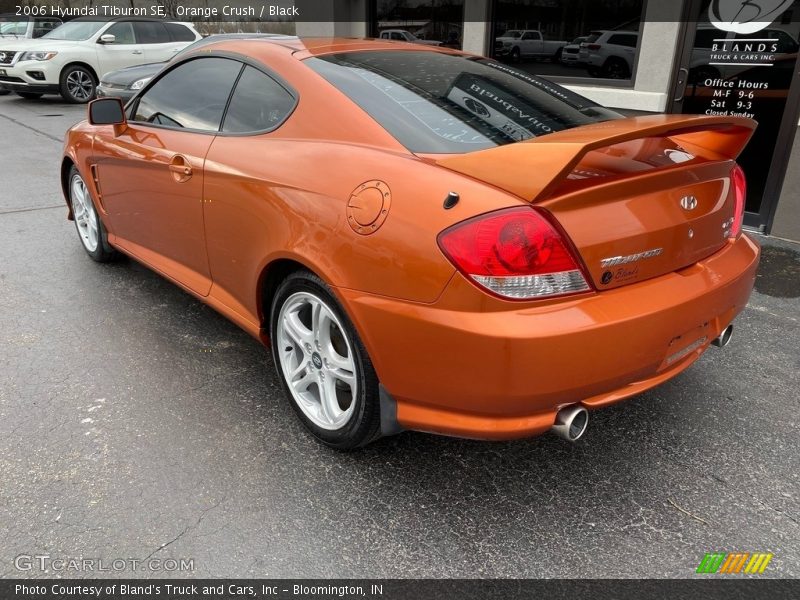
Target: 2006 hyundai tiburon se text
point(427, 239)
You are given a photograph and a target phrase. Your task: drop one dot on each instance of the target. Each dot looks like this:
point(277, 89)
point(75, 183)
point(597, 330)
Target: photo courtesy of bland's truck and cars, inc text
point(399, 298)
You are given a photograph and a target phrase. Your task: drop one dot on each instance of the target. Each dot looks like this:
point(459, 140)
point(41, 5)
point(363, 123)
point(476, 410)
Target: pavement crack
point(686, 512)
point(725, 483)
point(186, 530)
point(22, 210)
point(39, 131)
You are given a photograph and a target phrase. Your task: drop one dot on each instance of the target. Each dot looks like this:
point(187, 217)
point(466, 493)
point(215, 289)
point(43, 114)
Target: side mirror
point(107, 38)
point(106, 111)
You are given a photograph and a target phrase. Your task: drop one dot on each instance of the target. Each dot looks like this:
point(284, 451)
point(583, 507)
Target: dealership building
point(716, 57)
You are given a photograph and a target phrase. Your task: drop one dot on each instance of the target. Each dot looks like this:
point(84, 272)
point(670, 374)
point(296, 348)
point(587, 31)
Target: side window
point(151, 32)
point(193, 95)
point(623, 40)
point(42, 27)
point(259, 103)
point(397, 36)
point(123, 32)
point(179, 33)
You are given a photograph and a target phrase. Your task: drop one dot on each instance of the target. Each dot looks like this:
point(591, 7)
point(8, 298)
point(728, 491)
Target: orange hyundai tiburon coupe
point(429, 240)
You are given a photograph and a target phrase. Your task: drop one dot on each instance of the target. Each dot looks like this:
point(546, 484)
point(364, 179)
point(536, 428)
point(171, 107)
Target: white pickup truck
point(527, 43)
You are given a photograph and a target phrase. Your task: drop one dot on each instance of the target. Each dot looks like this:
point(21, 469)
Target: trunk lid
point(638, 197)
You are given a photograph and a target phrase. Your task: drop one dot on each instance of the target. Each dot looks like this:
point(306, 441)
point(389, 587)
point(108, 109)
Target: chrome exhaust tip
point(571, 422)
point(724, 337)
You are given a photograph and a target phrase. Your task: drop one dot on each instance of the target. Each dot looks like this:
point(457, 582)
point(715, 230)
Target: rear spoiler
point(533, 169)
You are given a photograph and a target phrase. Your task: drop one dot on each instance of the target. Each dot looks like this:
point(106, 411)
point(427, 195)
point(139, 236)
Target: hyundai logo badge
point(689, 202)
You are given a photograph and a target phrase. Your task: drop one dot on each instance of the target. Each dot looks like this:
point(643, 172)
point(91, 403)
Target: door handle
point(137, 52)
point(180, 168)
point(683, 79)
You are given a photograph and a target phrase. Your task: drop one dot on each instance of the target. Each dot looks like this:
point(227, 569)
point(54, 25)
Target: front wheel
point(323, 366)
point(90, 228)
point(77, 85)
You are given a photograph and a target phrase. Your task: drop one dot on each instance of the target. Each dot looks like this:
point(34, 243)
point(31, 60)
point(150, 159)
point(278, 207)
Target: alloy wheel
point(84, 213)
point(80, 85)
point(317, 360)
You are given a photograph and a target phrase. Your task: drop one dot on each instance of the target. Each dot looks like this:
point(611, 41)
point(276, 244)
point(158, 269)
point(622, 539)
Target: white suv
point(610, 54)
point(71, 59)
point(13, 27)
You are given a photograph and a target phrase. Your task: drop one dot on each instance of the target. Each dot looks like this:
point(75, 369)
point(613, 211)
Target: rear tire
point(30, 95)
point(77, 85)
point(324, 368)
point(616, 68)
point(91, 231)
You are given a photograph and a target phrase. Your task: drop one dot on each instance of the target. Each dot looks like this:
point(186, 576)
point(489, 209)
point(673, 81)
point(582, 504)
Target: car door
point(529, 43)
point(151, 174)
point(624, 47)
point(122, 52)
point(155, 41)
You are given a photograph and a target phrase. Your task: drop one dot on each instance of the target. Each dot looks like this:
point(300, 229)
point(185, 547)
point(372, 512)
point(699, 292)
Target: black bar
point(243, 11)
point(707, 587)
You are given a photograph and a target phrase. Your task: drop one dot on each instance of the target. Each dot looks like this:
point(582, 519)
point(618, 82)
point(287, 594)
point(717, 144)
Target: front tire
point(77, 85)
point(92, 233)
point(323, 366)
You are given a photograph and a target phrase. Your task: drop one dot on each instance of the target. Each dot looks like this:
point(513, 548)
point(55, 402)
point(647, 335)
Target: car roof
point(305, 47)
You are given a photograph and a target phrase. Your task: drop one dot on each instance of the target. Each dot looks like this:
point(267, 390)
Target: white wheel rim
point(83, 211)
point(316, 359)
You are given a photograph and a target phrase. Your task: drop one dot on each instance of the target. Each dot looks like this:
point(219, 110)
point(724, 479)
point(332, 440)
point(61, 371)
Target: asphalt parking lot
point(136, 422)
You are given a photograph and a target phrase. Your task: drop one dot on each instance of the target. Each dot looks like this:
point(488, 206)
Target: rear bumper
point(473, 366)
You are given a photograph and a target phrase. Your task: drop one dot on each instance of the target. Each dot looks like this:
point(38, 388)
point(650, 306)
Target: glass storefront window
point(596, 39)
point(432, 22)
point(750, 75)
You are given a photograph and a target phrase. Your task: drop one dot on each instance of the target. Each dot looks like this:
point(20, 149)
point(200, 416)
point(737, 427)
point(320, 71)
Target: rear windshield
point(449, 104)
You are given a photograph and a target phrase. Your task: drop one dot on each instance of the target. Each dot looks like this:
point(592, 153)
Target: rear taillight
point(594, 46)
point(740, 195)
point(514, 253)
